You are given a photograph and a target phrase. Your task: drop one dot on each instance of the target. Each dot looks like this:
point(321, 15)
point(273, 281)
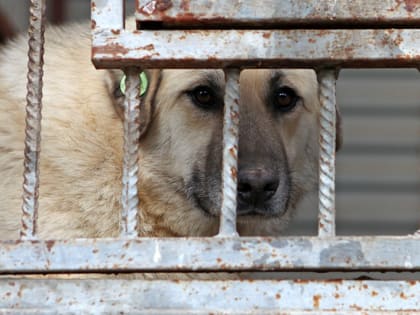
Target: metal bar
point(257, 48)
point(327, 81)
point(212, 254)
point(274, 14)
point(129, 198)
point(100, 296)
point(230, 154)
point(33, 119)
point(107, 14)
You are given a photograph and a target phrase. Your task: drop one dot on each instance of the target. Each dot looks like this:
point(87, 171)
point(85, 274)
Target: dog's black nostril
point(256, 186)
point(244, 187)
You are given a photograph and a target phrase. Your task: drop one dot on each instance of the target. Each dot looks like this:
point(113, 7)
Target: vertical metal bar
point(230, 154)
point(327, 80)
point(129, 198)
point(33, 119)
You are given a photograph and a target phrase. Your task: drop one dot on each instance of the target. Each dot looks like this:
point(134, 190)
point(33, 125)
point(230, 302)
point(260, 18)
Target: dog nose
point(256, 186)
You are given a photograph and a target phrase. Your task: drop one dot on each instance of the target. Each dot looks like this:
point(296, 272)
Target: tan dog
point(180, 161)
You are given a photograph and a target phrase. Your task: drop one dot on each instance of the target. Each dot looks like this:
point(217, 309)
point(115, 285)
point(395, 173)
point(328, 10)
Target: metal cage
point(324, 35)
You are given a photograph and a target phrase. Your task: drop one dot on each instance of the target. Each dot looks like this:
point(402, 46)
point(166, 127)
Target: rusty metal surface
point(272, 13)
point(203, 297)
point(217, 253)
point(129, 196)
point(257, 48)
point(33, 119)
point(230, 154)
point(107, 14)
point(327, 83)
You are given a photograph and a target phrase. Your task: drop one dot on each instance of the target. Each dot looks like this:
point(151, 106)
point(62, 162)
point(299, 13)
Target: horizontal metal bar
point(207, 254)
point(256, 48)
point(201, 297)
point(270, 13)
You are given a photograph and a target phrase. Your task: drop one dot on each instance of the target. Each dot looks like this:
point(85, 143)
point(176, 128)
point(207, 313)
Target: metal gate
point(325, 35)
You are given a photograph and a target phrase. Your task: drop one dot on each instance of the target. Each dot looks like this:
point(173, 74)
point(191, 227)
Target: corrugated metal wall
point(378, 168)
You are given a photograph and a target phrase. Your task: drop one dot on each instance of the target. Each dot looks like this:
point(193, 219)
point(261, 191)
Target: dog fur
point(180, 158)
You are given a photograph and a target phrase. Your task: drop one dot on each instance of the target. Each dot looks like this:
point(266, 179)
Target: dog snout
point(256, 186)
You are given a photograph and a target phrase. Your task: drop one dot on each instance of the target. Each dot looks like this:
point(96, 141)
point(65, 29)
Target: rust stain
point(92, 24)
point(232, 152)
point(356, 307)
point(409, 5)
point(374, 293)
point(403, 296)
point(116, 32)
point(233, 172)
point(147, 47)
point(234, 114)
point(163, 5)
point(278, 296)
point(398, 40)
point(21, 288)
point(49, 245)
point(316, 300)
point(184, 17)
point(111, 49)
point(185, 5)
point(267, 34)
point(312, 40)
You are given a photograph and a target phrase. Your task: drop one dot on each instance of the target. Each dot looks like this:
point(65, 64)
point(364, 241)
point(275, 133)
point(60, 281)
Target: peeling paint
point(346, 253)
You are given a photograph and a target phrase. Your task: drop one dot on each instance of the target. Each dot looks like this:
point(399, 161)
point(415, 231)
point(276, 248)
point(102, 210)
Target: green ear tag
point(143, 82)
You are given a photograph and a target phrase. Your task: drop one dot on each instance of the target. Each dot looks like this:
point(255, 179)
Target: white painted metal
point(101, 296)
point(130, 195)
point(230, 154)
point(115, 47)
point(327, 79)
point(33, 120)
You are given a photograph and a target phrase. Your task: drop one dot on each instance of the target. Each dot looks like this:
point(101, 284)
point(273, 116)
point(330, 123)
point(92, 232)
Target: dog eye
point(203, 96)
point(285, 99)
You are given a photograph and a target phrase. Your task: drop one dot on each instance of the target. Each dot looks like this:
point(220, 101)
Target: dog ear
point(113, 84)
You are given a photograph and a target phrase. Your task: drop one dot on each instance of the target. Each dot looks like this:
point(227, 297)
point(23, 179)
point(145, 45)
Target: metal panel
point(227, 253)
point(33, 119)
point(272, 13)
point(203, 297)
point(257, 48)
